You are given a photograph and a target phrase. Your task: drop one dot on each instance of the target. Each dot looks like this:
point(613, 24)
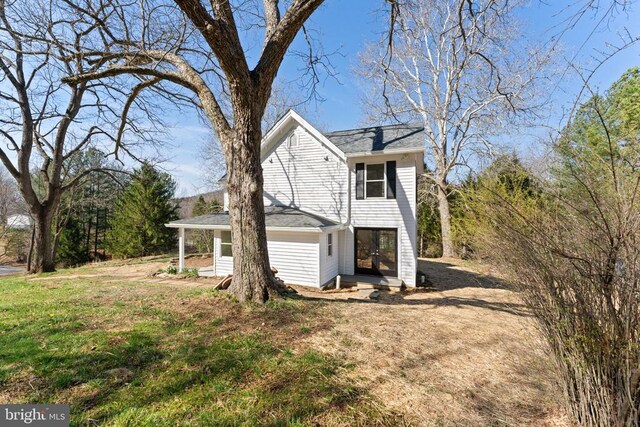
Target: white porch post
point(181, 250)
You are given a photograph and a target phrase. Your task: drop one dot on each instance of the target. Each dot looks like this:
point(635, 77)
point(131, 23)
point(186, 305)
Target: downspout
point(348, 221)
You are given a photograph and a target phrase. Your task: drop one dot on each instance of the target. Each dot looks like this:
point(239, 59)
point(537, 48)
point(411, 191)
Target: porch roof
point(276, 218)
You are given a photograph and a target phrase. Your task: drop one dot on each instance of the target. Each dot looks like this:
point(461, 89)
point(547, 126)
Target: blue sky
point(346, 26)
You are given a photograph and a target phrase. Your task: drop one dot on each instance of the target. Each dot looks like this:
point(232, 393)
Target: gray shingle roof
point(374, 139)
point(275, 216)
point(378, 138)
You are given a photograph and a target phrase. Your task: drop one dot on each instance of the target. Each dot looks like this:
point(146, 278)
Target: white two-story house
point(339, 203)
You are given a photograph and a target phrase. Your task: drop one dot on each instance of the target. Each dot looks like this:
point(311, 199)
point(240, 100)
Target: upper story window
point(330, 244)
point(375, 182)
point(292, 140)
point(225, 243)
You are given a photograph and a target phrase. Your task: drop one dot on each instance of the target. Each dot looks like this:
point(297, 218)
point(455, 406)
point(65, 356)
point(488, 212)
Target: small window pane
point(330, 244)
point(375, 189)
point(225, 250)
point(293, 140)
point(225, 244)
point(375, 171)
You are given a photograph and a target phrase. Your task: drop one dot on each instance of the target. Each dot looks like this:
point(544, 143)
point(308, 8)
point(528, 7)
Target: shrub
point(574, 252)
point(190, 272)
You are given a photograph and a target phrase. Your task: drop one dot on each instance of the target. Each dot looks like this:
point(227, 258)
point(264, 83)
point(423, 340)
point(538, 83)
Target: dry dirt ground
point(465, 352)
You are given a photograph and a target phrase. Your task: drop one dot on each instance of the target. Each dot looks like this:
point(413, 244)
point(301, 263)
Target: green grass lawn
point(144, 354)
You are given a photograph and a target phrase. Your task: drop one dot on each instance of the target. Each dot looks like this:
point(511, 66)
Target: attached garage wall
point(294, 255)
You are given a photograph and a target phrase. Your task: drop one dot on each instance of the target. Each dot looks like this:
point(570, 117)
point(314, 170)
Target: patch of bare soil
point(465, 353)
point(199, 261)
point(137, 269)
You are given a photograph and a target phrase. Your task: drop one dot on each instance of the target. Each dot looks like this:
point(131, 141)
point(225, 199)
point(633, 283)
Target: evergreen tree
point(605, 133)
point(203, 239)
point(71, 247)
point(89, 203)
point(141, 212)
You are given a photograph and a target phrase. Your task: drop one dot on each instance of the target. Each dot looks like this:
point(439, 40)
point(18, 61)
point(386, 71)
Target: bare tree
point(45, 123)
point(460, 68)
point(281, 100)
point(207, 59)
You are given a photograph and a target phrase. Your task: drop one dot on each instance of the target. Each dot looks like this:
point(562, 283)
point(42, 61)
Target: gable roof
point(344, 143)
point(276, 217)
point(367, 140)
point(290, 116)
point(378, 139)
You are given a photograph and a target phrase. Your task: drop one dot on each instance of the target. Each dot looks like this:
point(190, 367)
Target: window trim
point(383, 180)
point(330, 244)
point(223, 243)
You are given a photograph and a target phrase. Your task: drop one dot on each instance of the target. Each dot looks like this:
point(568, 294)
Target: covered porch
point(293, 237)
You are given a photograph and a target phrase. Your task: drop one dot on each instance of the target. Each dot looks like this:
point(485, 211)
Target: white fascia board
point(227, 227)
point(385, 153)
point(336, 227)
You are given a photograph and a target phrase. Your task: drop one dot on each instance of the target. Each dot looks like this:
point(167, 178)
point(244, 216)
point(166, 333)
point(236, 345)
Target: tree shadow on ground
point(445, 276)
point(408, 298)
point(442, 277)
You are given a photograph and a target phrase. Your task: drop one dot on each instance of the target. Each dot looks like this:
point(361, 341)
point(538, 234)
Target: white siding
point(396, 213)
point(221, 265)
point(312, 178)
point(309, 177)
point(329, 265)
point(294, 255)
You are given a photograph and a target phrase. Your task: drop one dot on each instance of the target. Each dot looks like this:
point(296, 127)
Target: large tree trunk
point(252, 276)
point(448, 250)
point(42, 256)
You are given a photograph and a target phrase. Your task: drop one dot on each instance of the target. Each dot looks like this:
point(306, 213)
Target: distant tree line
point(203, 239)
point(122, 214)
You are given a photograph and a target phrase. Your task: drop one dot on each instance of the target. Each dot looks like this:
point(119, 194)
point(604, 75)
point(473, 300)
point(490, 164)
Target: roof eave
point(273, 133)
point(386, 152)
point(268, 228)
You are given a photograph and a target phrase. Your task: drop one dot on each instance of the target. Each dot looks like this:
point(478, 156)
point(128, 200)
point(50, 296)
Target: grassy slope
point(146, 354)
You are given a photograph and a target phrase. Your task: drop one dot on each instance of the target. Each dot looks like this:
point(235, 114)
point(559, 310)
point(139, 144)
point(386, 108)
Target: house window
point(375, 184)
point(225, 244)
point(330, 244)
point(292, 141)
